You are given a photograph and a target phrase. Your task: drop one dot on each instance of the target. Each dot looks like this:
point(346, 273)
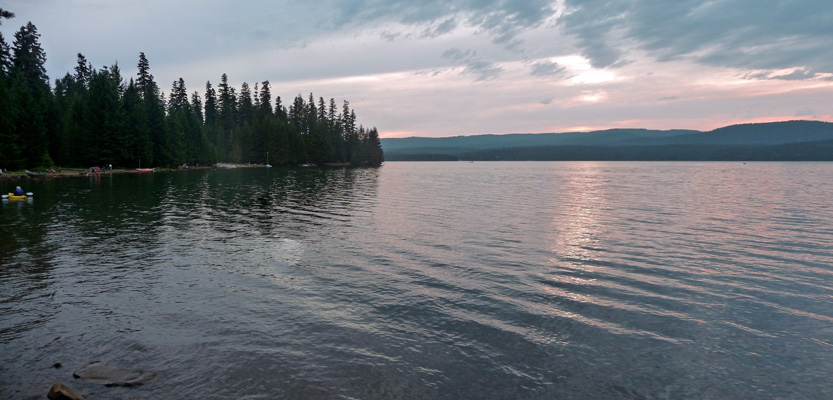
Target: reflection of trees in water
point(23, 229)
point(228, 201)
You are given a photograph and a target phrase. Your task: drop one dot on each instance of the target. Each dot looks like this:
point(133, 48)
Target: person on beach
point(18, 191)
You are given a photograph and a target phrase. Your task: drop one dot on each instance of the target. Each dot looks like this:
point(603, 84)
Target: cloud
point(440, 29)
point(482, 70)
point(790, 74)
point(548, 68)
point(726, 33)
point(501, 20)
point(457, 54)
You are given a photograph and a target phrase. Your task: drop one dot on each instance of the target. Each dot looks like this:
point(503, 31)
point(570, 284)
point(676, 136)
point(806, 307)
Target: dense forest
point(772, 141)
point(95, 117)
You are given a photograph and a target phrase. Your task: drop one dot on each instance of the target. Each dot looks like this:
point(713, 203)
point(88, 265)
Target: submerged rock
point(108, 375)
point(60, 391)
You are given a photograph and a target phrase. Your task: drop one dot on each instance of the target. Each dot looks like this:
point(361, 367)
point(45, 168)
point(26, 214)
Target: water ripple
point(428, 280)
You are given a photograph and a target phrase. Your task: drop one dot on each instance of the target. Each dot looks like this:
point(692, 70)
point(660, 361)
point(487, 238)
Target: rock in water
point(108, 375)
point(60, 391)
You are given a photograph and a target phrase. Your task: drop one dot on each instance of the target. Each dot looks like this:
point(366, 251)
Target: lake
point(549, 280)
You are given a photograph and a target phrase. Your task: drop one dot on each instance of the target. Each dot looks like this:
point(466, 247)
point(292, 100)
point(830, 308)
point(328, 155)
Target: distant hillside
point(789, 140)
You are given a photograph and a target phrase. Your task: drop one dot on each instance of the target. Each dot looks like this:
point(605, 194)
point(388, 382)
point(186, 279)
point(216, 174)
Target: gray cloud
point(457, 54)
point(481, 69)
point(797, 75)
point(548, 68)
point(440, 29)
point(502, 20)
point(727, 33)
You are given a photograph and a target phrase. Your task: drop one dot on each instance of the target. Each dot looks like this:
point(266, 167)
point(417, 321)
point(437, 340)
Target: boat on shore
point(144, 169)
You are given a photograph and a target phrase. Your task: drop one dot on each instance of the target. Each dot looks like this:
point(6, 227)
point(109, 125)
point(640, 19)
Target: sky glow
point(446, 68)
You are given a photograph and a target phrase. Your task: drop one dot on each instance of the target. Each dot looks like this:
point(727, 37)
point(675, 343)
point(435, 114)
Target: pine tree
point(145, 79)
point(137, 127)
point(245, 104)
point(83, 72)
point(280, 110)
point(322, 110)
point(30, 96)
point(155, 112)
point(5, 58)
point(196, 105)
point(106, 116)
point(265, 98)
point(375, 156)
point(9, 150)
point(211, 113)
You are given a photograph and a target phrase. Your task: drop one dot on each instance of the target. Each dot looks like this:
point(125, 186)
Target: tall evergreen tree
point(155, 112)
point(226, 103)
point(30, 96)
point(137, 127)
point(280, 110)
point(245, 103)
point(196, 106)
point(5, 57)
point(107, 120)
point(9, 150)
point(83, 72)
point(144, 78)
point(265, 98)
point(375, 156)
point(211, 111)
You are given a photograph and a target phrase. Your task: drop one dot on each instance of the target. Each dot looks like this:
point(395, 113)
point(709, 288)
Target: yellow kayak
point(13, 196)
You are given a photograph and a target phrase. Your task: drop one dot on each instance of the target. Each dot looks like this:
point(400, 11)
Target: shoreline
point(81, 173)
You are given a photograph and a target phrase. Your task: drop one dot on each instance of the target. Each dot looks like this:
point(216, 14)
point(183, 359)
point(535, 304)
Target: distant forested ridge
point(776, 141)
point(96, 117)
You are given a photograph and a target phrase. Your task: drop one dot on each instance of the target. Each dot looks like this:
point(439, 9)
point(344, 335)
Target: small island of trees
point(94, 117)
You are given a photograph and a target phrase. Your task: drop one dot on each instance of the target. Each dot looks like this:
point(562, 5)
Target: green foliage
point(94, 118)
point(46, 161)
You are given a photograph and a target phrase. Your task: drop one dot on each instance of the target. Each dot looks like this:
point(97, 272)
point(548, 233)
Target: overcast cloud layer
point(455, 67)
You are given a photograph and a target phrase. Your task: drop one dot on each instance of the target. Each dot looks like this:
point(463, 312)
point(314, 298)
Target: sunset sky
point(459, 67)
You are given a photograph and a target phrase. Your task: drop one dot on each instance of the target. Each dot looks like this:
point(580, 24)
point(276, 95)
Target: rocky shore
point(99, 373)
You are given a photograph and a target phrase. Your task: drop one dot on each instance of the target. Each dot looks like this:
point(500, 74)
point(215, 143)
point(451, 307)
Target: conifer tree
point(196, 106)
point(375, 156)
point(245, 103)
point(137, 127)
point(9, 150)
point(280, 110)
point(105, 114)
point(30, 97)
point(211, 113)
point(155, 112)
point(265, 98)
point(83, 72)
point(5, 58)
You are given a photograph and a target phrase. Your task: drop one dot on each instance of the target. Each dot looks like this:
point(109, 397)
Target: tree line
point(95, 117)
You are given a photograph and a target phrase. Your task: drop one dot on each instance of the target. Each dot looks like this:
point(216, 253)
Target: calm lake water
point(427, 281)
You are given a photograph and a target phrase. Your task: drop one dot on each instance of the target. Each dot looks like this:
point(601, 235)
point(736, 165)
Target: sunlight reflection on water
point(428, 280)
